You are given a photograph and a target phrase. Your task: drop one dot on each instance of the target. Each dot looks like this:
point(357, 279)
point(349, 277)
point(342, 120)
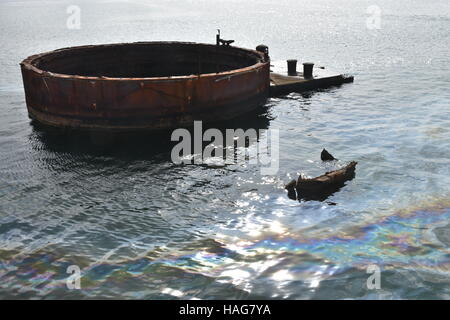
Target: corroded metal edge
point(27, 63)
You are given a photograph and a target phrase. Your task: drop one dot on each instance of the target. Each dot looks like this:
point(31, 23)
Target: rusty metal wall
point(142, 103)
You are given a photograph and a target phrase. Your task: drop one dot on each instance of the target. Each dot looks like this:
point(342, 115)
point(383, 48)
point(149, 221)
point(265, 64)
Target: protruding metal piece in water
point(326, 156)
point(290, 187)
point(308, 70)
point(292, 67)
point(320, 188)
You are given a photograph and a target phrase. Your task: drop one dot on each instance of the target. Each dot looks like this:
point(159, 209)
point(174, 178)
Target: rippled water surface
point(140, 226)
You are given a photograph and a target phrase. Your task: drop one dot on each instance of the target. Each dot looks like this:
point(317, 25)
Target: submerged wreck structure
point(321, 187)
point(143, 85)
point(155, 85)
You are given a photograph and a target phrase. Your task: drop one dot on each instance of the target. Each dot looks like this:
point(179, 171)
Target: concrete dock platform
point(281, 84)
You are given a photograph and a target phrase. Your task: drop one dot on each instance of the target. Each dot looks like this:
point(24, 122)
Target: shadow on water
point(305, 96)
point(154, 145)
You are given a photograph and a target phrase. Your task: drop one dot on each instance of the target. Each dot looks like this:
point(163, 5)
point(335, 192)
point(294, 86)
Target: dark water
point(140, 226)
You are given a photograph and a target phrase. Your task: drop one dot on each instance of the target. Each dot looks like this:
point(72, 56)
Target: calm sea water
point(142, 227)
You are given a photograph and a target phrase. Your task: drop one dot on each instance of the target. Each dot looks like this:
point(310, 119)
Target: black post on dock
point(308, 70)
point(292, 67)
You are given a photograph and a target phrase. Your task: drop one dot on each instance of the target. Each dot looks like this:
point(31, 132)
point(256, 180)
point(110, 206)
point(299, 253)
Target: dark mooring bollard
point(264, 49)
point(308, 70)
point(292, 67)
